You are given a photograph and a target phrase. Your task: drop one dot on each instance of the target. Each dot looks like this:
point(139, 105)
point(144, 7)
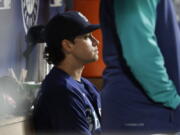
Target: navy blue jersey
point(64, 105)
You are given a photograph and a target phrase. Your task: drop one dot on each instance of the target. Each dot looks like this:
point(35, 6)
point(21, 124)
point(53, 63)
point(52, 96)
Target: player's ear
point(67, 45)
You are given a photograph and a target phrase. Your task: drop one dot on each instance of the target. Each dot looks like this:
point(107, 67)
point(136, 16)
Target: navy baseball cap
point(67, 25)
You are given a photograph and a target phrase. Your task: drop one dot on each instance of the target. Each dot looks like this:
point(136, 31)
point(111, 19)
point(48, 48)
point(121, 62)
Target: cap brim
point(90, 28)
point(93, 27)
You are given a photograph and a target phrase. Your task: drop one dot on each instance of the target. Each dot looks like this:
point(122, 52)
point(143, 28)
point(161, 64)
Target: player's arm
point(135, 22)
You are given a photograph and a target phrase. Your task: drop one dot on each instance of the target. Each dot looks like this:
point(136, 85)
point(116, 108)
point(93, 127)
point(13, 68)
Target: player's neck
point(72, 69)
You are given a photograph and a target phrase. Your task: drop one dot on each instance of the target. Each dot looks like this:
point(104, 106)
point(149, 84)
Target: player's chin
point(96, 57)
point(93, 58)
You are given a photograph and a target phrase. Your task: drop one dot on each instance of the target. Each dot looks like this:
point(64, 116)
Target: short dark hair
point(54, 54)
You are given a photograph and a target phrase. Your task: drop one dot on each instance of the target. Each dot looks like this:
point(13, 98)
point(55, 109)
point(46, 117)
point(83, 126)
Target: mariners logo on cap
point(30, 10)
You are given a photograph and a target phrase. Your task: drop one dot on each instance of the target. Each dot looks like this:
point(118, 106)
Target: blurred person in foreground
point(142, 78)
point(68, 103)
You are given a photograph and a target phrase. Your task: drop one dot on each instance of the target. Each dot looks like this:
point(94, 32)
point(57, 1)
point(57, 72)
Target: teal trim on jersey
point(135, 22)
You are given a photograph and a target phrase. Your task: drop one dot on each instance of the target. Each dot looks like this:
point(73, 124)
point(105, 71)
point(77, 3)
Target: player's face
point(86, 48)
